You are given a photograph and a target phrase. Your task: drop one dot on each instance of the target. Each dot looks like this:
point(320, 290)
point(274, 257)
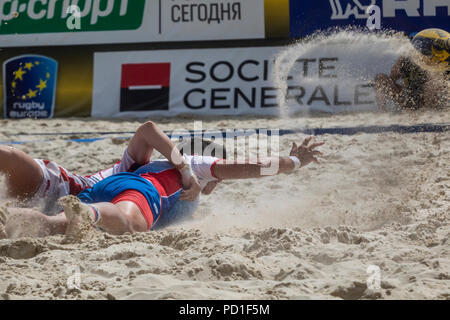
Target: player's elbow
point(148, 126)
point(146, 130)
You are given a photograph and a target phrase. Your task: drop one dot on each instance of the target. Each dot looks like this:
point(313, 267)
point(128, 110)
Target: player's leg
point(77, 218)
point(23, 222)
point(115, 218)
point(121, 217)
point(23, 175)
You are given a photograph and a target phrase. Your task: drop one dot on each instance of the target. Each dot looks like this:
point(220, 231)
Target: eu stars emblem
point(29, 87)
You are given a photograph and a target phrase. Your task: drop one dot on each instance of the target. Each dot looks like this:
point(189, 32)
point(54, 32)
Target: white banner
point(233, 81)
point(76, 22)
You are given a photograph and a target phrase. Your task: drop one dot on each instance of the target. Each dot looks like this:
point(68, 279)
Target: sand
point(378, 200)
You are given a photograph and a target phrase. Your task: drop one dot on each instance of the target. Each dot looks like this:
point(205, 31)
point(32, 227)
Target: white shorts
point(59, 182)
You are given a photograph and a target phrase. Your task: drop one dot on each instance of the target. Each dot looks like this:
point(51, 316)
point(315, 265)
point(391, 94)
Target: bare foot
point(79, 224)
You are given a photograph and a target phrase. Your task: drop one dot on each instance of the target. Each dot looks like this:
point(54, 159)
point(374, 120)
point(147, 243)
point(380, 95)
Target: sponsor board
point(77, 22)
point(232, 82)
point(409, 16)
point(42, 16)
point(29, 84)
point(145, 86)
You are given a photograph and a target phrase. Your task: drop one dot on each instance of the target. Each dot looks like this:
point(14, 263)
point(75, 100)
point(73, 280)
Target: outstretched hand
point(192, 189)
point(305, 152)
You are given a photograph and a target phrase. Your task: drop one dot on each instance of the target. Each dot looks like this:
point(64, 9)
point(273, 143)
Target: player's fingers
point(184, 195)
point(189, 195)
point(294, 147)
point(186, 198)
point(315, 145)
point(306, 141)
point(317, 153)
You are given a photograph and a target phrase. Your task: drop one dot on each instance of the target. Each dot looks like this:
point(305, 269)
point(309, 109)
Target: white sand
point(375, 199)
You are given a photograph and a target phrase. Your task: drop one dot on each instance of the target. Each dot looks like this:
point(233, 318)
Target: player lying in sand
point(139, 201)
point(28, 178)
point(418, 88)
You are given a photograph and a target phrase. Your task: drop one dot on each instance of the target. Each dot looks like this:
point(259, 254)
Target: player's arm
point(299, 157)
point(149, 137)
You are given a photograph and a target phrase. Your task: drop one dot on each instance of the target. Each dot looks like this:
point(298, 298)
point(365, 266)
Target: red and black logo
point(145, 87)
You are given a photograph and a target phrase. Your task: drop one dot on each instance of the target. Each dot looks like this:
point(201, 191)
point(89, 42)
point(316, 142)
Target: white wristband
point(296, 162)
point(186, 172)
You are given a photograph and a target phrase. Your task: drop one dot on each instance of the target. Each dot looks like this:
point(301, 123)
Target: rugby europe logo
point(29, 87)
point(50, 16)
point(357, 9)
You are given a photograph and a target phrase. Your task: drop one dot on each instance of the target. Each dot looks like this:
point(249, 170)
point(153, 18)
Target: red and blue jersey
point(158, 181)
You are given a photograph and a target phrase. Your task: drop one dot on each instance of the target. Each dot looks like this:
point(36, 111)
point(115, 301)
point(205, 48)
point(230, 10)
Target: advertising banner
point(233, 81)
point(409, 16)
point(29, 87)
point(46, 82)
point(81, 22)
